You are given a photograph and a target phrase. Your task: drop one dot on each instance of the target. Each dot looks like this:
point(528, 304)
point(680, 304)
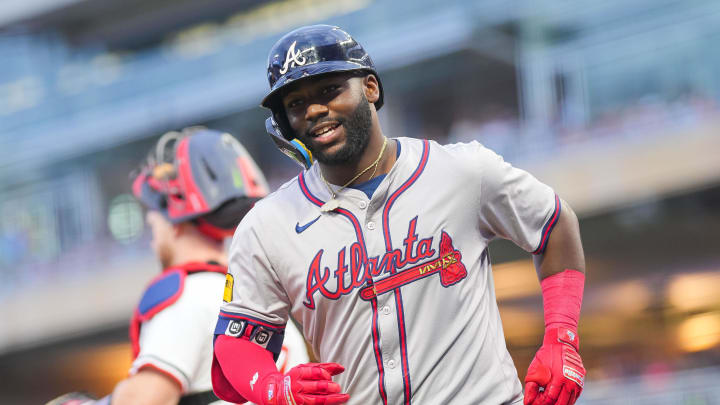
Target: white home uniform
point(171, 330)
point(397, 288)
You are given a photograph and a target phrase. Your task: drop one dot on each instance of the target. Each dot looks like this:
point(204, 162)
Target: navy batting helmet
point(203, 176)
point(306, 52)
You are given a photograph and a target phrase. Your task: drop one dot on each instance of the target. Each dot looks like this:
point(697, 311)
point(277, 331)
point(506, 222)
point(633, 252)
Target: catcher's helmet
point(203, 176)
point(306, 52)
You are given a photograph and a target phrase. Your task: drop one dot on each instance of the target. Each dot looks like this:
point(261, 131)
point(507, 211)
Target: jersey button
point(371, 225)
point(391, 363)
point(362, 205)
point(386, 310)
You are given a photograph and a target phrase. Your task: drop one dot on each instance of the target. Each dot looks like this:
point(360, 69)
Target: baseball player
point(380, 250)
point(197, 185)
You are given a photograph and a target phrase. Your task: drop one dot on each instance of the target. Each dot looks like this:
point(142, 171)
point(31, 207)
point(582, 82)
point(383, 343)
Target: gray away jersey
point(397, 288)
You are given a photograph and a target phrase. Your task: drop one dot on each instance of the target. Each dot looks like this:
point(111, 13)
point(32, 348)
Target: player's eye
point(330, 89)
point(294, 103)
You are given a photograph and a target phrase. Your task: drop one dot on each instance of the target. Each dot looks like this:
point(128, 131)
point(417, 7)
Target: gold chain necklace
point(333, 203)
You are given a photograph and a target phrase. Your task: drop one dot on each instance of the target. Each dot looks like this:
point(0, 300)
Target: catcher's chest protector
point(163, 291)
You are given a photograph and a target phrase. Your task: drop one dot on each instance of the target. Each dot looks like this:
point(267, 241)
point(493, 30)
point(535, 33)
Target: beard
point(357, 137)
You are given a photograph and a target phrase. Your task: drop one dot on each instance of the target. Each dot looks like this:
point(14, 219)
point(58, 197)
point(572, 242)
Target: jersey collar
point(193, 267)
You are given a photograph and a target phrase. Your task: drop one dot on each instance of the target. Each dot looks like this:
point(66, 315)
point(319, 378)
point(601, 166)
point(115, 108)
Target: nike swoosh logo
point(299, 228)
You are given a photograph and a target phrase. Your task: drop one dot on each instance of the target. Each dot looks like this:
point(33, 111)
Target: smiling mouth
point(324, 130)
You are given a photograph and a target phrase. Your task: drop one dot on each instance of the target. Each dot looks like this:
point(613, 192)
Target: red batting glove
point(557, 369)
point(306, 384)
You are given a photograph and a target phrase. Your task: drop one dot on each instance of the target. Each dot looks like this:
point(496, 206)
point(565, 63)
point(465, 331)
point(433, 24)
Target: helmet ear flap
point(282, 123)
point(293, 148)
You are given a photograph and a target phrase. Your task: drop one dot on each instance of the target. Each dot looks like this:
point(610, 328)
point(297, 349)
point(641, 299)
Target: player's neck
point(340, 174)
point(198, 249)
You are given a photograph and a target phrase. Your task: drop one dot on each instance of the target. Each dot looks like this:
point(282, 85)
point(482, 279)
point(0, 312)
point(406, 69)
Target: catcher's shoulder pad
point(163, 291)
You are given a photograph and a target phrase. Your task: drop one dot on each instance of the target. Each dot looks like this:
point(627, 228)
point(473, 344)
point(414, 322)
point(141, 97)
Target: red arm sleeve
point(238, 368)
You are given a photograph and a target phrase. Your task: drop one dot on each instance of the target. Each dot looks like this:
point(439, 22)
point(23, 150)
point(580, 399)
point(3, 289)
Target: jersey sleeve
point(255, 305)
point(177, 341)
point(514, 204)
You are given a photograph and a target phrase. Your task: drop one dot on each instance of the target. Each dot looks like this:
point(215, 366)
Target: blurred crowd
point(499, 128)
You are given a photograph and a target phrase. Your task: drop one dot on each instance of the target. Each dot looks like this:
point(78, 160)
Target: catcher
point(197, 185)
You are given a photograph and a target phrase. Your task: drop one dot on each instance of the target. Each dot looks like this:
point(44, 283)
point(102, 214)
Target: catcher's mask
point(203, 176)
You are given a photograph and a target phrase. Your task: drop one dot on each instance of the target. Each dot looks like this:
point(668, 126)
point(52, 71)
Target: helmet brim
point(300, 73)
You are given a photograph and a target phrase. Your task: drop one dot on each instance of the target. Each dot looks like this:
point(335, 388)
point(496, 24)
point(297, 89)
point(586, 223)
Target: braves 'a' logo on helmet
point(293, 57)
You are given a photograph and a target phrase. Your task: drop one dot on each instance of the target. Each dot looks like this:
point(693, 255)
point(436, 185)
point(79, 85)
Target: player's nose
point(315, 111)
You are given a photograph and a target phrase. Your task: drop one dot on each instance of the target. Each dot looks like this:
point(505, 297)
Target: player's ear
point(372, 88)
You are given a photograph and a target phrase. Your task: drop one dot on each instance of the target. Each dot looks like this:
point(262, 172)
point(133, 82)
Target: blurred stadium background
point(614, 103)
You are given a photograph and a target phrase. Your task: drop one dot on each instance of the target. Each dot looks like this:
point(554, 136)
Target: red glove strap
point(562, 298)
